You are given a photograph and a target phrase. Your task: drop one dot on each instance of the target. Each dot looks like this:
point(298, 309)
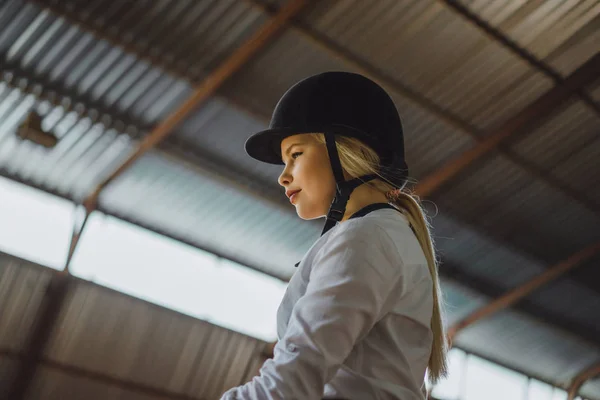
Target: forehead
point(288, 141)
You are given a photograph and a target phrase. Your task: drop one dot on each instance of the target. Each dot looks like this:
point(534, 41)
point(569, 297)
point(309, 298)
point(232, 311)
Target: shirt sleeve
point(349, 286)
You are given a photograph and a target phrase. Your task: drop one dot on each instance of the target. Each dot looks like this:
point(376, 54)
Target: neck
point(361, 197)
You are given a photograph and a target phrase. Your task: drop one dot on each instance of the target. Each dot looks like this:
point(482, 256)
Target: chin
point(310, 214)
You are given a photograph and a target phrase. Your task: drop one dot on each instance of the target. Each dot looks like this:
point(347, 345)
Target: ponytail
point(410, 207)
point(357, 159)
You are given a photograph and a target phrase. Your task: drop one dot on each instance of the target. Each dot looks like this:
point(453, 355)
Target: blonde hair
point(359, 160)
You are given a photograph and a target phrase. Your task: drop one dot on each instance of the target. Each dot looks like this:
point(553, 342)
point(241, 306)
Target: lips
point(290, 193)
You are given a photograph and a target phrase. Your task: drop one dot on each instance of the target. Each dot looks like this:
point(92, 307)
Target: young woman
point(361, 317)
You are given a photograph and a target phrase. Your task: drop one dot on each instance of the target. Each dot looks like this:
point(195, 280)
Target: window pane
point(141, 263)
point(449, 388)
point(34, 225)
point(539, 390)
point(492, 382)
point(559, 394)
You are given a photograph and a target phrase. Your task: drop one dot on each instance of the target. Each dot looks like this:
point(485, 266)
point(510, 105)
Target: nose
point(285, 178)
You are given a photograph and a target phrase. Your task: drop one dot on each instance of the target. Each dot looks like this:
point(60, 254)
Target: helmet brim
point(265, 145)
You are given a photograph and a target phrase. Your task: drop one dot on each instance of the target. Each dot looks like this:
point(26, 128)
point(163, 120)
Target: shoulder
point(361, 243)
point(377, 230)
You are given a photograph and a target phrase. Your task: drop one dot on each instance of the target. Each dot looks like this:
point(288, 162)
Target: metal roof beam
point(533, 113)
point(347, 57)
point(58, 288)
point(375, 73)
point(581, 378)
point(513, 296)
point(206, 88)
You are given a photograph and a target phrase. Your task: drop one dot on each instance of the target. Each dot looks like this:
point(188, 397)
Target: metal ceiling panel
point(459, 301)
point(564, 33)
point(21, 292)
point(8, 367)
point(219, 130)
point(515, 341)
point(102, 330)
point(188, 36)
point(571, 300)
point(516, 209)
point(580, 171)
point(45, 47)
point(86, 151)
point(198, 206)
point(481, 256)
point(429, 140)
point(559, 138)
point(458, 67)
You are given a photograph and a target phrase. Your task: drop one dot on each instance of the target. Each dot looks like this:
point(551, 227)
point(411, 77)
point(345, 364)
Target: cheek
point(324, 185)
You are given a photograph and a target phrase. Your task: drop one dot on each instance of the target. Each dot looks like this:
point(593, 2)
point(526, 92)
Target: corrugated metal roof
point(559, 138)
point(188, 37)
point(481, 256)
point(520, 211)
point(7, 369)
point(39, 43)
point(202, 188)
point(101, 330)
point(220, 129)
point(84, 155)
point(104, 331)
point(459, 301)
point(561, 32)
point(21, 291)
point(479, 80)
point(572, 300)
point(164, 193)
point(595, 90)
point(429, 140)
point(519, 340)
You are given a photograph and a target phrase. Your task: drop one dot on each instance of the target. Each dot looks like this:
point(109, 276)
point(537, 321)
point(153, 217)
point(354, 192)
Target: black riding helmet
point(337, 103)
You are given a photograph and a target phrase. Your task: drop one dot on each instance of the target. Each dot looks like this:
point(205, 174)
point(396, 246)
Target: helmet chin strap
point(343, 188)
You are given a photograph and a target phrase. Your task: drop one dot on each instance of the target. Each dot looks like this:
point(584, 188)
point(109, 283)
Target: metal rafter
point(45, 321)
point(485, 146)
point(207, 87)
point(347, 57)
point(530, 115)
point(460, 125)
point(431, 182)
point(513, 296)
point(111, 118)
point(581, 378)
point(58, 288)
point(492, 141)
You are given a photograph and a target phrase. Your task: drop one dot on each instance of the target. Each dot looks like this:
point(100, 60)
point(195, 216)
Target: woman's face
point(307, 169)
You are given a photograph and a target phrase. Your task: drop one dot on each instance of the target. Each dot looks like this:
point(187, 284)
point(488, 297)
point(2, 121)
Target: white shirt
point(355, 320)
